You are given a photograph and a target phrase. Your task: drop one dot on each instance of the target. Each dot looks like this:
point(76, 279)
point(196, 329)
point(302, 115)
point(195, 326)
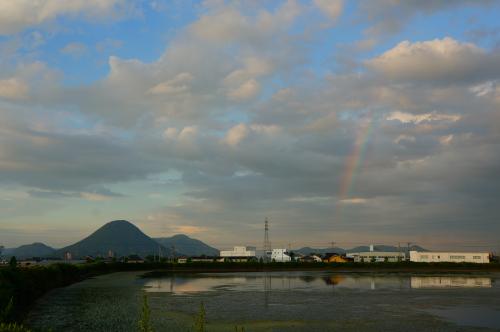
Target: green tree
point(13, 262)
point(145, 320)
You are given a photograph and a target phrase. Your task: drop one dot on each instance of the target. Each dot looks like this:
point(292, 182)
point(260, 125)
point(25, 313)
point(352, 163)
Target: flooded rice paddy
point(277, 301)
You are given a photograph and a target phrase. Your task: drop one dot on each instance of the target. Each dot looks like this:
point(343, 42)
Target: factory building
point(449, 257)
point(280, 255)
point(377, 256)
point(238, 251)
point(373, 256)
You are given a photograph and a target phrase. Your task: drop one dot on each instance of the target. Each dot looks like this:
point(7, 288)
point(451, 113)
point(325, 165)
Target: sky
point(358, 122)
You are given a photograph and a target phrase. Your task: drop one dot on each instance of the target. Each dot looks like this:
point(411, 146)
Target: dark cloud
point(391, 16)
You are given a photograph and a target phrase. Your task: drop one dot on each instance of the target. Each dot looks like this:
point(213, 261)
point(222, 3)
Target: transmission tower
point(267, 243)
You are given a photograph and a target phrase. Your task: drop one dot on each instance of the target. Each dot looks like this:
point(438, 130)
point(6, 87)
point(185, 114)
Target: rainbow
point(355, 159)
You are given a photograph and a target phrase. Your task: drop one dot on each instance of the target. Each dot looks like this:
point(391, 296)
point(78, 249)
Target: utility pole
point(408, 257)
point(173, 254)
point(333, 245)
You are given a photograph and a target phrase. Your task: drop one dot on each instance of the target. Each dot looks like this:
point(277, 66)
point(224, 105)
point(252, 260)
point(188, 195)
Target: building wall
point(451, 257)
point(239, 251)
point(280, 255)
point(336, 259)
point(378, 256)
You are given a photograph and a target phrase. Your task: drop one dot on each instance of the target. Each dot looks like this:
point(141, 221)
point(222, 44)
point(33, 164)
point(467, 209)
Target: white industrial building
point(450, 257)
point(377, 256)
point(238, 251)
point(280, 255)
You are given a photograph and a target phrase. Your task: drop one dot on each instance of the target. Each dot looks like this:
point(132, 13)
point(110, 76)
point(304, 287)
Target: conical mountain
point(120, 237)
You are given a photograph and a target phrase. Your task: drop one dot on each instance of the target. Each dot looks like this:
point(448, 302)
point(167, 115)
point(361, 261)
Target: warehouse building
point(377, 256)
point(239, 253)
point(280, 255)
point(449, 257)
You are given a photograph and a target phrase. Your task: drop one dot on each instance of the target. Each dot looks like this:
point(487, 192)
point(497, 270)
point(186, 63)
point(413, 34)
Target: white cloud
point(354, 200)
point(236, 134)
point(13, 88)
point(419, 118)
point(331, 8)
point(18, 15)
point(391, 16)
point(446, 140)
point(403, 138)
point(170, 133)
point(178, 84)
point(225, 24)
point(74, 49)
point(438, 61)
point(27, 81)
point(246, 90)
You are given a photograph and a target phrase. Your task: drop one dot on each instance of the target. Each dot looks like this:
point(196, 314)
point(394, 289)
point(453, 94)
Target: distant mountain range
point(120, 237)
point(124, 239)
point(308, 250)
point(187, 246)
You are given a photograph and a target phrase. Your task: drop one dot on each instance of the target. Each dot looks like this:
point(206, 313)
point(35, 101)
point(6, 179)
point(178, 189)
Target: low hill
point(321, 251)
point(119, 236)
point(308, 250)
point(187, 246)
point(36, 249)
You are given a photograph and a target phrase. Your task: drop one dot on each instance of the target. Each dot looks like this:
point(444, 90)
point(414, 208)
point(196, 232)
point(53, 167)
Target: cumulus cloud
point(226, 24)
point(246, 90)
point(13, 88)
point(331, 8)
point(74, 49)
point(236, 108)
point(18, 15)
point(178, 84)
point(439, 61)
point(28, 80)
point(390, 16)
point(236, 134)
point(419, 118)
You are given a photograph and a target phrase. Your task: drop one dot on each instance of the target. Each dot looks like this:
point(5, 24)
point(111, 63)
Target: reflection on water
point(446, 282)
point(471, 316)
point(265, 282)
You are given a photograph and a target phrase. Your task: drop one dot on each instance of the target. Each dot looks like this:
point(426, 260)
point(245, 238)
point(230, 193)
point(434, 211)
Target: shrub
point(13, 328)
point(200, 320)
point(145, 320)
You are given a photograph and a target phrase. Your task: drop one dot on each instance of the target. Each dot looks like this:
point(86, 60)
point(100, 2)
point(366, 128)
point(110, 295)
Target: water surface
point(278, 301)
